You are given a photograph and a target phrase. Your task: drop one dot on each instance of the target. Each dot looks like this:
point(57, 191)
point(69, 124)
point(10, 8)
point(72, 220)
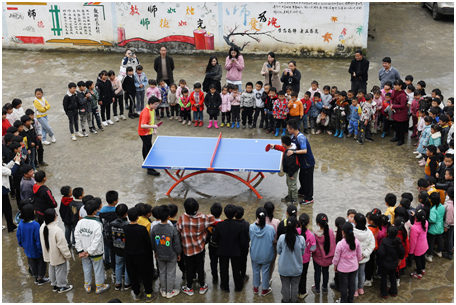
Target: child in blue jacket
point(141, 84)
point(315, 110)
point(355, 112)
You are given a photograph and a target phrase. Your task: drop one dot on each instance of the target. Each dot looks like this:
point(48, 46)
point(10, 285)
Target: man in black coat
point(164, 66)
point(231, 238)
point(358, 71)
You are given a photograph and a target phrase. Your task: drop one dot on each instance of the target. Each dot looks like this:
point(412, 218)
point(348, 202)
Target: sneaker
point(203, 289)
point(368, 283)
point(175, 292)
point(43, 281)
point(104, 123)
point(286, 198)
point(55, 288)
point(416, 152)
point(127, 287)
point(246, 278)
point(302, 295)
point(131, 116)
point(136, 115)
point(398, 282)
point(255, 290)
point(317, 132)
point(419, 156)
point(314, 290)
point(110, 122)
point(447, 255)
point(101, 128)
point(103, 288)
point(186, 290)
point(312, 131)
point(349, 135)
point(189, 123)
point(171, 118)
point(423, 272)
point(355, 137)
point(65, 289)
point(416, 276)
point(115, 119)
point(393, 295)
point(184, 122)
point(228, 125)
point(328, 132)
point(250, 126)
point(325, 290)
point(46, 142)
point(118, 287)
point(222, 125)
point(306, 202)
point(73, 137)
point(243, 126)
point(88, 288)
point(135, 297)
point(123, 117)
point(53, 140)
point(334, 287)
point(369, 140)
point(383, 296)
point(79, 134)
point(428, 258)
point(163, 293)
point(266, 292)
point(360, 142)
point(439, 254)
point(85, 134)
point(356, 293)
point(361, 291)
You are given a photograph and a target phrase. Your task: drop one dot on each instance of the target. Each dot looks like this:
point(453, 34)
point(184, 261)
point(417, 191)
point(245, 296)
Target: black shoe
point(369, 140)
point(394, 139)
point(37, 166)
point(224, 289)
point(65, 289)
point(42, 281)
point(306, 131)
point(261, 126)
point(107, 266)
point(400, 143)
point(168, 114)
point(43, 163)
point(55, 288)
point(245, 278)
point(334, 287)
point(214, 280)
point(153, 172)
point(136, 115)
point(254, 126)
point(131, 116)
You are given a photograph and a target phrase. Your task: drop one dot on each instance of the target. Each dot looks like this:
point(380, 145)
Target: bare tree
point(251, 34)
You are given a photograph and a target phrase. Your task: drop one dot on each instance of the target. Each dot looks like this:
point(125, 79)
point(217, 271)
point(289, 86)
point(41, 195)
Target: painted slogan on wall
point(253, 27)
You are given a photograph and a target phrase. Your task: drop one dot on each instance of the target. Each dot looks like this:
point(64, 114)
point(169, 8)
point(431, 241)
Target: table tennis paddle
point(268, 147)
point(159, 124)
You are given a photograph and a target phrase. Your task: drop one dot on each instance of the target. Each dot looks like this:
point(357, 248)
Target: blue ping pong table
point(213, 155)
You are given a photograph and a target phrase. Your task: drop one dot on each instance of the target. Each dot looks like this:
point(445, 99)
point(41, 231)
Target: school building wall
point(314, 29)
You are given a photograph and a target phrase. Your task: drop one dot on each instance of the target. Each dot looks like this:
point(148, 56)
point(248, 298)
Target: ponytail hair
point(349, 235)
point(261, 216)
point(399, 224)
point(291, 233)
point(322, 220)
point(269, 206)
point(304, 221)
point(49, 216)
point(385, 221)
point(103, 72)
point(360, 222)
point(339, 223)
point(421, 217)
point(435, 199)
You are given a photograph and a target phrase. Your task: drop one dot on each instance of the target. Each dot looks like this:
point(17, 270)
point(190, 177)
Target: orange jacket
point(296, 108)
point(201, 101)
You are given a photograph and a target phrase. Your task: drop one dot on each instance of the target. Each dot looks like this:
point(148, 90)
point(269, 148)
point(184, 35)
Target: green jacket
point(436, 220)
point(182, 104)
point(94, 99)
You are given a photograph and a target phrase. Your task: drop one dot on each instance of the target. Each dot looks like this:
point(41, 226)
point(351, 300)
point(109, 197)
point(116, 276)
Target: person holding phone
point(291, 77)
point(271, 70)
point(129, 60)
point(234, 64)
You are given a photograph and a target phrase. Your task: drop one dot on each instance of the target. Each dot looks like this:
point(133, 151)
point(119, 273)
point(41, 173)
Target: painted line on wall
point(31, 39)
point(11, 8)
point(172, 38)
point(26, 3)
point(80, 42)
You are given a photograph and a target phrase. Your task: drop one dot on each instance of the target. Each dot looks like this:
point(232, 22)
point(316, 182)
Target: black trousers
point(214, 258)
point(270, 121)
point(365, 131)
point(306, 182)
point(213, 116)
point(175, 109)
point(105, 111)
point(243, 264)
point(130, 102)
point(140, 267)
point(73, 118)
point(39, 153)
point(195, 264)
point(384, 283)
point(281, 123)
point(147, 145)
point(357, 84)
point(370, 266)
point(400, 128)
point(235, 113)
point(118, 100)
point(317, 277)
point(8, 212)
point(186, 115)
point(347, 281)
point(37, 266)
point(431, 241)
point(235, 268)
point(420, 262)
point(247, 115)
point(226, 115)
point(303, 282)
point(259, 112)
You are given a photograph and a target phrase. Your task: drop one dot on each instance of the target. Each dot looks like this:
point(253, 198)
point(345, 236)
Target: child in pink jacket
point(225, 107)
point(347, 256)
point(323, 255)
point(418, 243)
point(311, 246)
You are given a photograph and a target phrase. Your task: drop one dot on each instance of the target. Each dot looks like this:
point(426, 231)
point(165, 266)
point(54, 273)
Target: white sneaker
point(86, 134)
point(79, 134)
point(123, 117)
point(46, 142)
point(163, 293)
point(398, 282)
point(367, 283)
point(416, 152)
point(439, 254)
point(428, 258)
point(53, 141)
point(116, 119)
point(73, 137)
point(419, 156)
point(175, 292)
point(104, 123)
point(3, 227)
point(110, 122)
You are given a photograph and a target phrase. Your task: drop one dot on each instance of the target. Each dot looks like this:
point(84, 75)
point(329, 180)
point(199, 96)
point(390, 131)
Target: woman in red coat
point(400, 113)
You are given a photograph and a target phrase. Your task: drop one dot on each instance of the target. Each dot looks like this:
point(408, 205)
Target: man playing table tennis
point(306, 161)
point(147, 128)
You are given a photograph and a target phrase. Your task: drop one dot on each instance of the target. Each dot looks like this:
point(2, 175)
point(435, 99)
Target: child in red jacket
point(197, 101)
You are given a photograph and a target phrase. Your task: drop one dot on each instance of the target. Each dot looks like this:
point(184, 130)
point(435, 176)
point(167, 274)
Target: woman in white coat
point(271, 71)
point(367, 241)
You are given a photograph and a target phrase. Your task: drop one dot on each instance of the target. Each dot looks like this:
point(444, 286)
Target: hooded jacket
point(84, 103)
point(311, 245)
point(58, 252)
point(290, 263)
point(28, 237)
point(43, 199)
point(226, 104)
point(70, 103)
point(436, 220)
point(435, 139)
point(390, 252)
point(424, 139)
point(213, 102)
point(319, 256)
point(65, 210)
point(104, 88)
point(261, 243)
point(88, 235)
point(418, 239)
point(166, 242)
point(367, 241)
point(117, 236)
point(346, 259)
point(234, 69)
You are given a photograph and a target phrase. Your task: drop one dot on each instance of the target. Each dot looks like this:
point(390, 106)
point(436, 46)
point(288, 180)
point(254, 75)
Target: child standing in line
point(28, 238)
point(390, 202)
point(288, 91)
point(182, 86)
point(421, 113)
point(153, 90)
point(306, 104)
point(315, 110)
point(145, 211)
point(387, 114)
point(173, 101)
point(355, 112)
point(414, 107)
point(10, 116)
point(418, 243)
point(225, 107)
point(5, 123)
point(89, 244)
point(367, 243)
point(55, 252)
point(245, 249)
point(108, 214)
point(216, 211)
point(341, 111)
point(436, 226)
point(367, 114)
point(424, 139)
point(378, 110)
point(95, 118)
point(374, 225)
point(84, 107)
point(269, 110)
point(17, 108)
point(235, 100)
point(264, 98)
point(248, 105)
point(118, 94)
point(70, 106)
point(167, 247)
point(128, 85)
point(106, 97)
point(280, 112)
point(339, 222)
point(326, 99)
point(400, 223)
point(386, 89)
point(290, 247)
point(65, 214)
point(436, 136)
point(262, 236)
point(449, 222)
point(185, 104)
point(42, 106)
point(213, 101)
point(314, 89)
point(197, 101)
point(311, 246)
point(347, 255)
point(360, 96)
point(140, 84)
point(164, 99)
point(258, 92)
point(432, 161)
point(296, 110)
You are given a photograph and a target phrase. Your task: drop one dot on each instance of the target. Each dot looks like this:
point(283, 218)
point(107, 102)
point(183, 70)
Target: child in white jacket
point(367, 241)
point(88, 235)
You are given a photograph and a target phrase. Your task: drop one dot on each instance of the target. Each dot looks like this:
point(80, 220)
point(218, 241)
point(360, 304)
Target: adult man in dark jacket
point(43, 198)
point(164, 66)
point(230, 236)
point(358, 71)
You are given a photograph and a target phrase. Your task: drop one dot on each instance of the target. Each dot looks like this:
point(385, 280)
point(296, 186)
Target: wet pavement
point(347, 175)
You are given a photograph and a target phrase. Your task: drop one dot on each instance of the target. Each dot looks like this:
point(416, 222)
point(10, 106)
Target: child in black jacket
point(213, 101)
point(71, 107)
point(290, 167)
point(245, 249)
point(128, 85)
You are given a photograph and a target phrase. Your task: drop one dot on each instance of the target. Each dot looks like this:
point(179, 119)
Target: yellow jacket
point(40, 108)
point(390, 211)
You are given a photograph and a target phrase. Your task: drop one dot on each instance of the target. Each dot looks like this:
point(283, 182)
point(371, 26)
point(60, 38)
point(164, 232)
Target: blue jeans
point(98, 269)
point(32, 157)
point(121, 267)
point(264, 269)
point(304, 121)
point(198, 115)
point(353, 127)
point(45, 128)
point(140, 100)
point(360, 276)
point(69, 232)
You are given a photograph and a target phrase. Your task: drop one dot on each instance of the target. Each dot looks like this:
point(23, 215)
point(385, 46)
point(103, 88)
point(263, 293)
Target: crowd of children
point(363, 247)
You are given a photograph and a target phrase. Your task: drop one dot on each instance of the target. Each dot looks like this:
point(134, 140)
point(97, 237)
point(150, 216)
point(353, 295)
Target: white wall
point(332, 28)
